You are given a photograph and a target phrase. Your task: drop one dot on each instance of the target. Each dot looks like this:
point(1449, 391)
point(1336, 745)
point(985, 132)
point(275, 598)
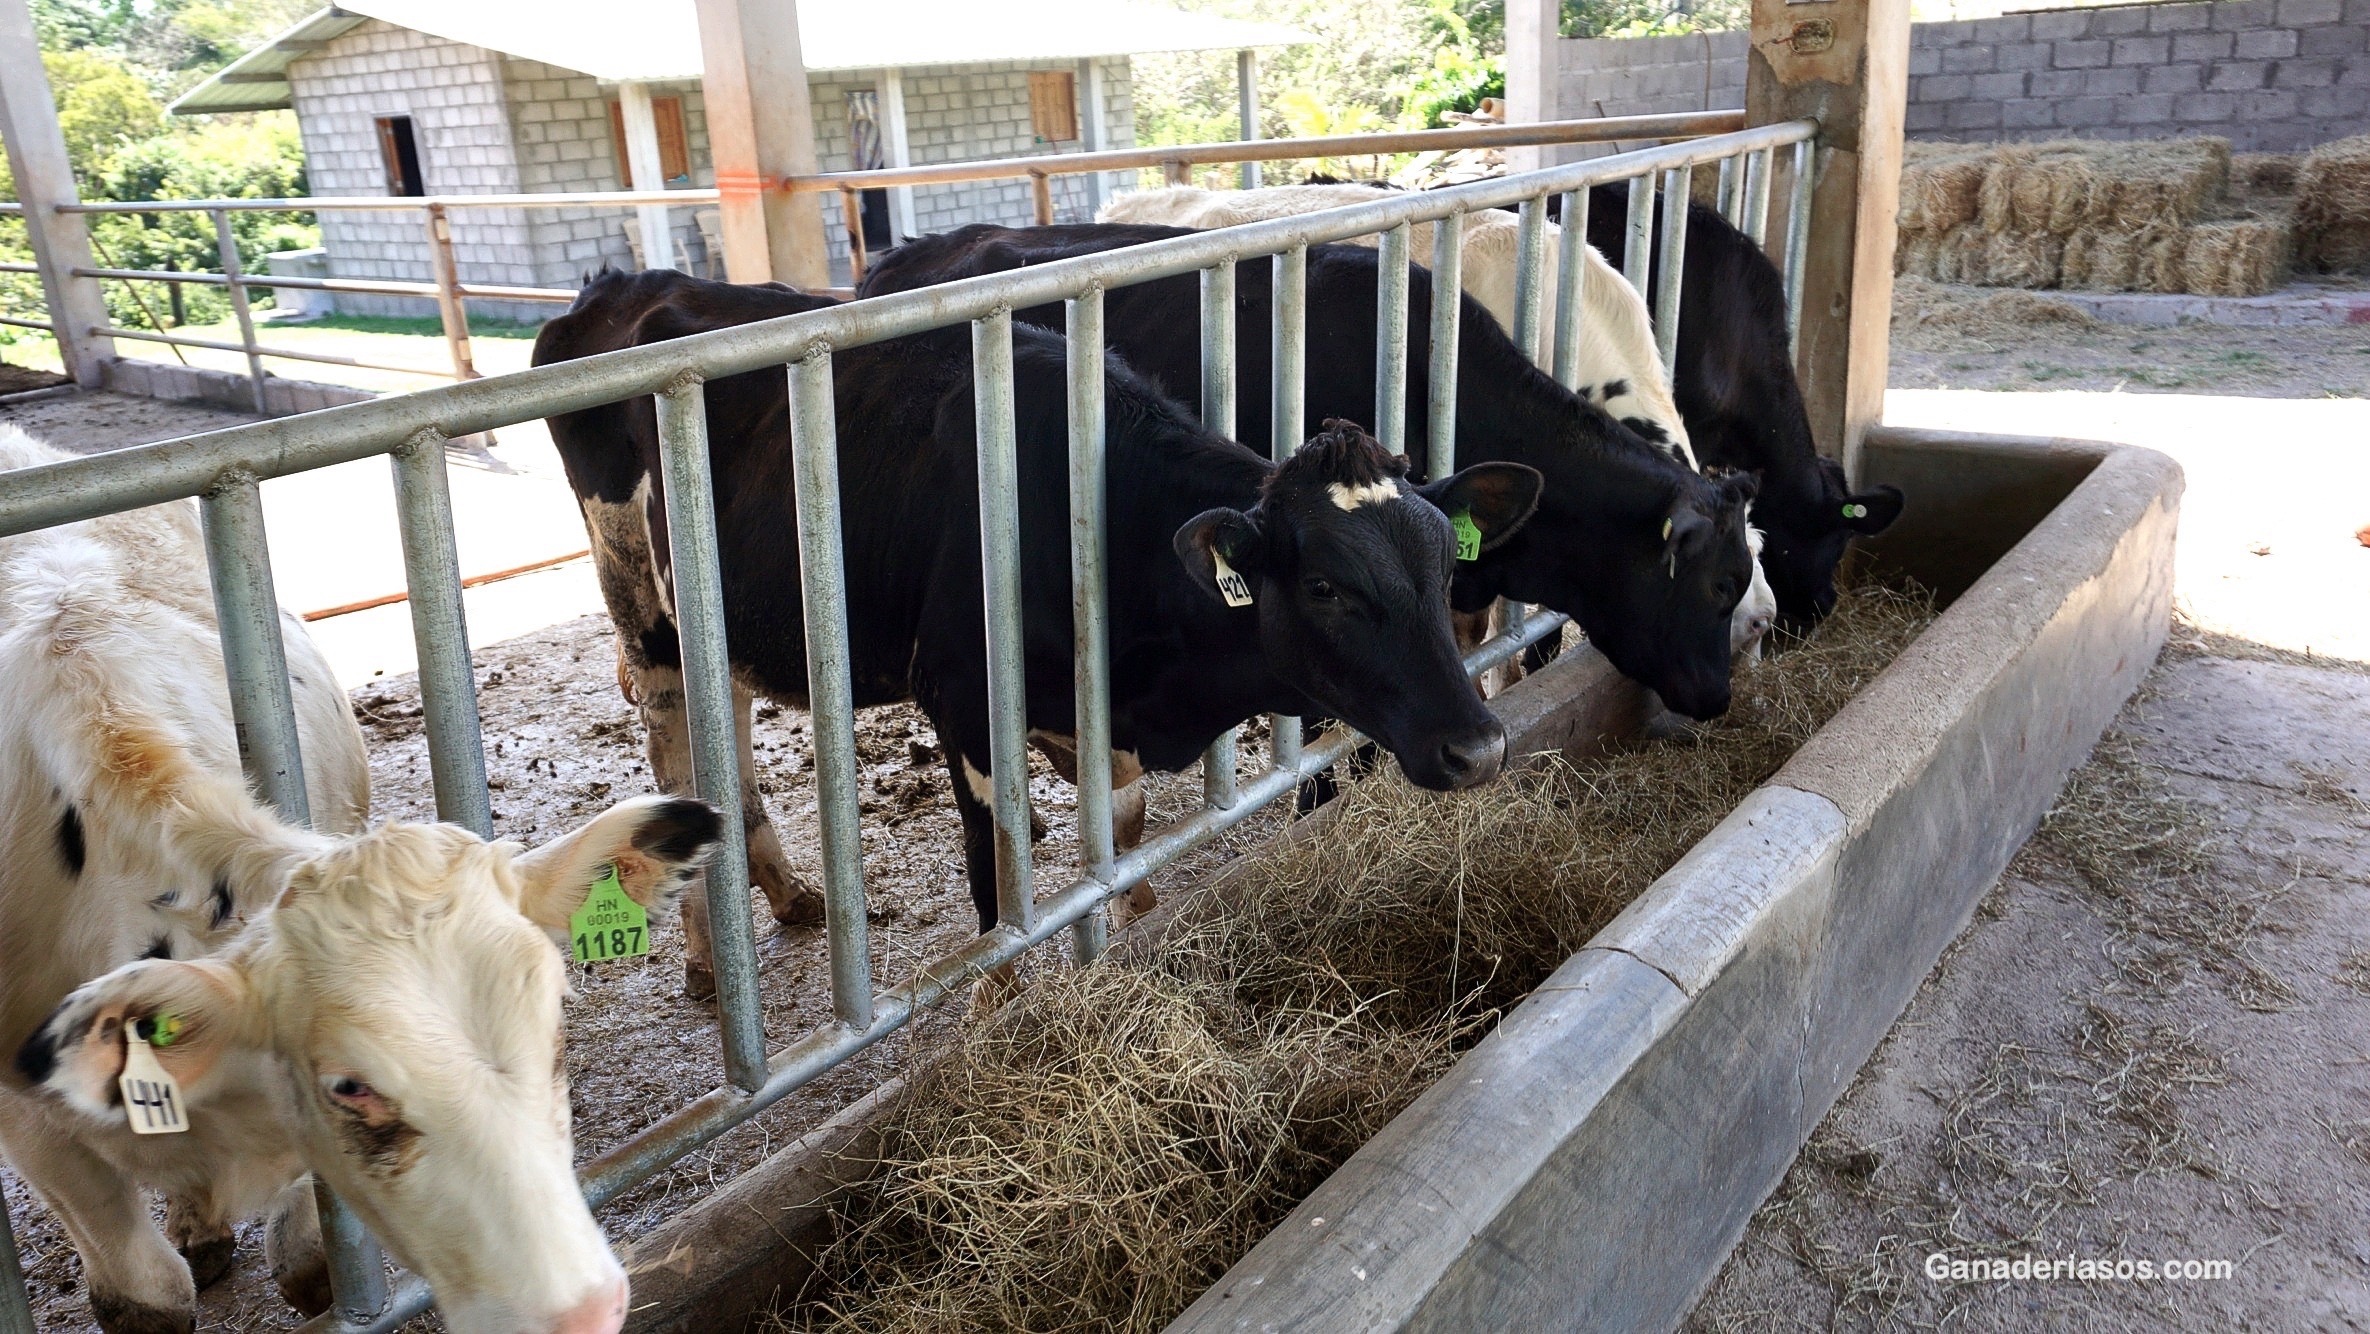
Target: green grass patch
point(421, 326)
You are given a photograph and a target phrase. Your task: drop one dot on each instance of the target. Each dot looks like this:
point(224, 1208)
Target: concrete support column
point(1095, 109)
point(1532, 28)
point(1246, 91)
point(643, 172)
point(1846, 64)
point(899, 148)
point(45, 179)
point(760, 130)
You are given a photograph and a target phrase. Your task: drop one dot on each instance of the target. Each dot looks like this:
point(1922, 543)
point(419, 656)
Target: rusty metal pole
point(1041, 193)
point(448, 293)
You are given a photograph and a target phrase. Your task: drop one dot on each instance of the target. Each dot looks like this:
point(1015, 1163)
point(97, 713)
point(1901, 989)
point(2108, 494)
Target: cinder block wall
point(2270, 75)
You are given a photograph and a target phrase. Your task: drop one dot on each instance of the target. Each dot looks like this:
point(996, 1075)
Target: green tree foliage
point(1652, 18)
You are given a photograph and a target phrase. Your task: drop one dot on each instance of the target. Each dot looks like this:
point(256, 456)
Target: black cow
point(1735, 387)
point(1345, 564)
point(1650, 558)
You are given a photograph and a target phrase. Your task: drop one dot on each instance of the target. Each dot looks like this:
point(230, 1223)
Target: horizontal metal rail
point(43, 325)
point(259, 350)
point(360, 286)
point(398, 203)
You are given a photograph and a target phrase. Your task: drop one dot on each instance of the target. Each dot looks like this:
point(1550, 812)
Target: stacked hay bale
point(2106, 217)
point(2333, 206)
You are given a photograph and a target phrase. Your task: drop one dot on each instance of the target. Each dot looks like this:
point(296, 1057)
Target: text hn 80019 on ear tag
point(609, 925)
point(1468, 536)
point(151, 1100)
point(1231, 586)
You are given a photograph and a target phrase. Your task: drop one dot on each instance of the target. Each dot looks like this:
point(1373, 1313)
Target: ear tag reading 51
point(609, 925)
point(152, 1102)
point(1231, 586)
point(1468, 536)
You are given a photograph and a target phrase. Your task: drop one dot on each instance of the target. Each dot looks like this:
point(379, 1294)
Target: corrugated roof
point(654, 40)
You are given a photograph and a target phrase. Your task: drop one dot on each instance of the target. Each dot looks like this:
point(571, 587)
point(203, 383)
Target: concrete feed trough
point(1590, 1164)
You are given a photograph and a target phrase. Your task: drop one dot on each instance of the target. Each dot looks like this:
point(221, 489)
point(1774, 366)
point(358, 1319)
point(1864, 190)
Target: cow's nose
point(1473, 760)
point(601, 1313)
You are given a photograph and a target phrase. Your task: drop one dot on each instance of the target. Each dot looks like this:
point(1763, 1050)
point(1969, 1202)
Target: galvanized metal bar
point(1287, 360)
point(1759, 163)
point(1637, 257)
point(1673, 268)
point(1390, 340)
point(16, 1313)
point(226, 245)
point(1571, 266)
point(999, 562)
point(1218, 414)
point(1219, 789)
point(1725, 193)
point(1530, 261)
point(281, 353)
point(1798, 235)
point(440, 632)
point(831, 696)
point(712, 719)
point(1448, 306)
point(1089, 606)
point(357, 1267)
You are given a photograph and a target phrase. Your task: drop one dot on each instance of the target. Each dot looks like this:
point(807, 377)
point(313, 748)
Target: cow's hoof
point(1036, 826)
point(209, 1258)
point(699, 981)
point(994, 988)
point(292, 1249)
point(119, 1315)
point(800, 907)
point(306, 1287)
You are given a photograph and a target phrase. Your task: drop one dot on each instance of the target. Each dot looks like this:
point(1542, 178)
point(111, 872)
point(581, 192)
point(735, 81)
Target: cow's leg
point(197, 1230)
point(666, 736)
point(293, 1251)
point(1127, 830)
point(138, 1285)
point(975, 802)
point(793, 901)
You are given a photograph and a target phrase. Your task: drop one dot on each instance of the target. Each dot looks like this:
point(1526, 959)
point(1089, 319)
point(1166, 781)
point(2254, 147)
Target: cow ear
point(1684, 527)
point(1220, 538)
point(191, 1012)
point(654, 842)
point(1871, 512)
point(1740, 488)
point(1498, 497)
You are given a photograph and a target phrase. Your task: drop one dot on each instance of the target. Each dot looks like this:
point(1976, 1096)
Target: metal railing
point(223, 468)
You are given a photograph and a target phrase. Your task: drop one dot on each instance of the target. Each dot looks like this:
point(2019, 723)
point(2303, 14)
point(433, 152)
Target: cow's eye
point(346, 1088)
point(1322, 590)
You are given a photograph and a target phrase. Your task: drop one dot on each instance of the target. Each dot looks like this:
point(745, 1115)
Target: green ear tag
point(1855, 511)
point(1468, 536)
point(163, 1029)
point(609, 925)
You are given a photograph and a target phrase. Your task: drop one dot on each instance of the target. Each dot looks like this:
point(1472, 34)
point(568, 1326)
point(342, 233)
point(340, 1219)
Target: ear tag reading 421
point(152, 1102)
point(1231, 586)
point(1468, 536)
point(609, 925)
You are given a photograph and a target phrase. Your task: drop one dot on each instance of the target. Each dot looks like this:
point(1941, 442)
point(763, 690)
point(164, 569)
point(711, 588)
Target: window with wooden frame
point(400, 153)
point(1053, 106)
point(674, 147)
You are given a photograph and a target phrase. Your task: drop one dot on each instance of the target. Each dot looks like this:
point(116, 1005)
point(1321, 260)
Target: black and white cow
point(1345, 563)
point(1651, 558)
point(1736, 387)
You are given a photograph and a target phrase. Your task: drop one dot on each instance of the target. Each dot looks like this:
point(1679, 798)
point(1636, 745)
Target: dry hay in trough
point(2333, 206)
point(1094, 1154)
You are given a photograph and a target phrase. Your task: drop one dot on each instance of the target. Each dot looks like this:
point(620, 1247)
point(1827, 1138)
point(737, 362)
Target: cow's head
point(1348, 565)
point(1807, 537)
point(400, 1004)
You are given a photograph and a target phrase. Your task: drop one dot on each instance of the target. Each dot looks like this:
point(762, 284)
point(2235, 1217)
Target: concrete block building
point(466, 97)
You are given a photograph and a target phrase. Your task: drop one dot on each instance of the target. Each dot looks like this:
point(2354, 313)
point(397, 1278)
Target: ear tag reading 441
point(1468, 536)
point(152, 1102)
point(1231, 586)
point(609, 925)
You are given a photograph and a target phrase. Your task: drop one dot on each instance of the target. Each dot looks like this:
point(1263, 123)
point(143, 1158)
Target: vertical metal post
point(1798, 235)
point(1217, 413)
point(1448, 284)
point(448, 293)
point(831, 699)
point(1089, 517)
point(1637, 257)
point(999, 553)
point(1530, 258)
point(1724, 195)
point(440, 631)
point(1758, 167)
point(707, 690)
point(16, 1314)
point(1674, 262)
point(1390, 341)
point(226, 244)
point(1287, 360)
point(1246, 91)
point(1571, 266)
point(263, 708)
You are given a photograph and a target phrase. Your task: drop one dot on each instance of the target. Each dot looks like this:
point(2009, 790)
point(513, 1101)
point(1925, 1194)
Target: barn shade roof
point(658, 40)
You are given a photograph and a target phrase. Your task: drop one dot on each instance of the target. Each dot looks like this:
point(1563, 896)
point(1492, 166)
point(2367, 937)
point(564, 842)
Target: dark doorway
point(401, 153)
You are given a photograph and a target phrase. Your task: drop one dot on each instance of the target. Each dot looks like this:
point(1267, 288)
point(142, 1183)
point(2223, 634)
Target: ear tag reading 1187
point(1231, 586)
point(1468, 536)
point(609, 925)
point(152, 1102)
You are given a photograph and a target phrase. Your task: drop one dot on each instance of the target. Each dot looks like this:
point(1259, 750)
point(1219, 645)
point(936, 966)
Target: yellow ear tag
point(152, 1102)
point(1666, 530)
point(1468, 536)
point(1231, 586)
point(609, 925)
